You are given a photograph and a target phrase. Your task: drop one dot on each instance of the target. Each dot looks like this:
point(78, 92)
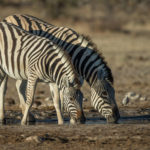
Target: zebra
point(31, 59)
point(87, 60)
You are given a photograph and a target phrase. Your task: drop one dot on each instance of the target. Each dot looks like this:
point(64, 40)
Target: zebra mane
point(94, 48)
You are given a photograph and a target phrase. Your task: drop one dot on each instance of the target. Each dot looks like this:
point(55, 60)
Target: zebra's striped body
point(87, 61)
point(24, 56)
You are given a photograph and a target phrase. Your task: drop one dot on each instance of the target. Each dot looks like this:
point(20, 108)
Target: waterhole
point(144, 119)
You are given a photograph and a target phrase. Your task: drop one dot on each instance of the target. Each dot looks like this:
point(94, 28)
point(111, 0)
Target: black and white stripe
point(87, 61)
point(24, 56)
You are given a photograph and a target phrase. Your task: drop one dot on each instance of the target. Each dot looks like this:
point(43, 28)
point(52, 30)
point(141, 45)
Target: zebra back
point(20, 50)
point(75, 44)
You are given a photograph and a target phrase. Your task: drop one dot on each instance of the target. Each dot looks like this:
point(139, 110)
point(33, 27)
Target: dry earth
point(128, 55)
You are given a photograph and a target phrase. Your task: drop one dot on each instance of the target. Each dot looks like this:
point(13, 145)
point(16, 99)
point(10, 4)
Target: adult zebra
point(87, 61)
point(24, 56)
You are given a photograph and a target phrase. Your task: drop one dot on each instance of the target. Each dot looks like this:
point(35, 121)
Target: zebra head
point(103, 98)
point(73, 98)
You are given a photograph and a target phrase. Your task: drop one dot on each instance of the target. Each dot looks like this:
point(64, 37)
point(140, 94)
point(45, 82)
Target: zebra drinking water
point(29, 58)
point(87, 60)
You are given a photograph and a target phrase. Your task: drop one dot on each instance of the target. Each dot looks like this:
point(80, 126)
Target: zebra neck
point(98, 72)
point(85, 57)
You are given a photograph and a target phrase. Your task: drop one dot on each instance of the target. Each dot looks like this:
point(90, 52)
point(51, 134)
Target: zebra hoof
point(60, 123)
point(31, 118)
point(73, 122)
point(23, 123)
point(3, 121)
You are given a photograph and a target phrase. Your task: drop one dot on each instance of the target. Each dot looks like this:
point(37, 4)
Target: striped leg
point(72, 121)
point(56, 99)
point(3, 87)
point(62, 101)
point(31, 85)
point(21, 89)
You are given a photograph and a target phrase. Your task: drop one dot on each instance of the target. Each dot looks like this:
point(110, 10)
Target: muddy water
point(145, 119)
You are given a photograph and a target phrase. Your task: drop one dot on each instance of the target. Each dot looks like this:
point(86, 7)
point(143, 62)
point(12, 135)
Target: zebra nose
point(111, 120)
point(116, 115)
point(80, 117)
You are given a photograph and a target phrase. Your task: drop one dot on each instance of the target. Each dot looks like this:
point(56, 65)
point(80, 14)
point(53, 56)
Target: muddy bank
point(92, 137)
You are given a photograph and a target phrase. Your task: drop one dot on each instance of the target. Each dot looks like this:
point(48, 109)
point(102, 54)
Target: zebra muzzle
point(114, 118)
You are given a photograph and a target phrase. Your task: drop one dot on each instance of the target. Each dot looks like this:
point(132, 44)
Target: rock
point(143, 98)
point(130, 96)
point(18, 117)
point(48, 99)
point(136, 97)
point(34, 138)
point(36, 104)
point(22, 135)
point(49, 102)
point(125, 100)
point(43, 103)
point(85, 99)
point(133, 95)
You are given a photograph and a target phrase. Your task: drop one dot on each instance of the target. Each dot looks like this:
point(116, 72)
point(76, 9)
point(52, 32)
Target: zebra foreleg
point(21, 86)
point(3, 88)
point(62, 101)
point(56, 99)
point(31, 85)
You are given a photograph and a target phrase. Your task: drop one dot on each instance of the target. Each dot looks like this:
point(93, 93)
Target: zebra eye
point(71, 99)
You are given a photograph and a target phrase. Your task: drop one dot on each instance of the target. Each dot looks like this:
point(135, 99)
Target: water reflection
point(144, 119)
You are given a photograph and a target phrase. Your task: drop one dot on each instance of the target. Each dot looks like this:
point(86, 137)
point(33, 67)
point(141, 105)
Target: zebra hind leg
point(31, 85)
point(21, 89)
point(3, 88)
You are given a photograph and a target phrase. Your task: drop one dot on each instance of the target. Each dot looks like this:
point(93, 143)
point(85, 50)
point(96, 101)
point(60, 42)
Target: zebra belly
point(19, 75)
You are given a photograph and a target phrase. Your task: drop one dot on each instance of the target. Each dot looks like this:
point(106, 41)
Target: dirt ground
point(128, 56)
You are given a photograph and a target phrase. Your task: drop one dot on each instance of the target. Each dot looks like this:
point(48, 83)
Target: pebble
point(132, 96)
point(36, 104)
point(143, 98)
point(48, 99)
point(43, 103)
point(125, 100)
point(18, 117)
point(34, 138)
point(85, 99)
point(49, 103)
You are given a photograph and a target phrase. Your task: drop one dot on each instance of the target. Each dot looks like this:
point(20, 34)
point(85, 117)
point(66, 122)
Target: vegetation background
point(95, 15)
